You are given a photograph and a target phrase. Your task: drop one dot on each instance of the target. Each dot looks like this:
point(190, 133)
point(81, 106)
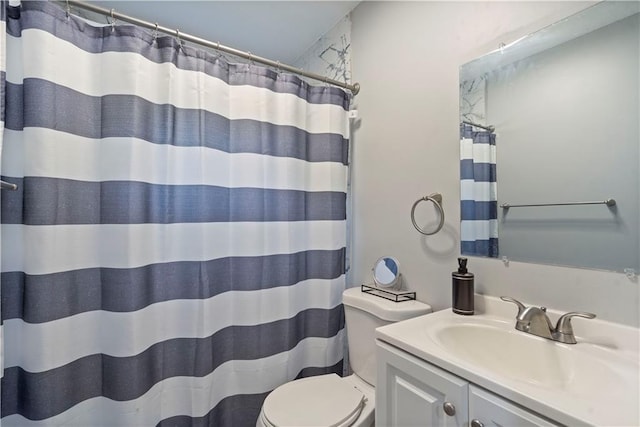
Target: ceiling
point(277, 30)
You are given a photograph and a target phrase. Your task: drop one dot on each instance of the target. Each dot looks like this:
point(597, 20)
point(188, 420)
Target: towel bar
point(608, 202)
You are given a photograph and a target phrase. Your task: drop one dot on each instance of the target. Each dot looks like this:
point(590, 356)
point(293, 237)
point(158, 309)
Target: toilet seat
point(325, 400)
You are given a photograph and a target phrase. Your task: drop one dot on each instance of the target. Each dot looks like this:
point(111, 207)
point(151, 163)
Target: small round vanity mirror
point(386, 273)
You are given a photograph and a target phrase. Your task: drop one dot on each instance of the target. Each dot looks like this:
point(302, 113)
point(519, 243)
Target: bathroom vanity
point(445, 369)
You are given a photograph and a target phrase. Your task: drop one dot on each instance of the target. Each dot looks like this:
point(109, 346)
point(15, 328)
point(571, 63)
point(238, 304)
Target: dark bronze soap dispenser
point(462, 289)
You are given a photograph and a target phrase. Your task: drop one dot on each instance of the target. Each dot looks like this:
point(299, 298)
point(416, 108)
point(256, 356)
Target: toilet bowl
point(330, 400)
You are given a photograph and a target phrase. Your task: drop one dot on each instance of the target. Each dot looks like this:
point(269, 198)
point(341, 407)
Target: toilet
point(330, 400)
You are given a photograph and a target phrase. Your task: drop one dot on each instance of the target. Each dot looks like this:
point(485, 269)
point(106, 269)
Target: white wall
point(406, 56)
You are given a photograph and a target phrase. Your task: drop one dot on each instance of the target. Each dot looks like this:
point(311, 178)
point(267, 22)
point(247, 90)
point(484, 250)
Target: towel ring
point(436, 198)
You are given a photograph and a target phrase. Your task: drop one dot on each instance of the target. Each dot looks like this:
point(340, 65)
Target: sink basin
point(523, 357)
point(530, 359)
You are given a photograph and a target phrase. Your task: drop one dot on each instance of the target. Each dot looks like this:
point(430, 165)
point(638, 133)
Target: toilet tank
point(363, 314)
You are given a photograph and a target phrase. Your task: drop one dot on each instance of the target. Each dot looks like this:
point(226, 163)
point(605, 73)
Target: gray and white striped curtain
point(478, 192)
point(3, 69)
point(176, 246)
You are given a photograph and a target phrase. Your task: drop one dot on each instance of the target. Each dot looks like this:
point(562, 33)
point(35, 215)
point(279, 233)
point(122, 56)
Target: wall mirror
point(549, 137)
point(386, 273)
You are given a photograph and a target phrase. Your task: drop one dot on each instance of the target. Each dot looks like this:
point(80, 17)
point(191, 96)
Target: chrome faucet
point(534, 320)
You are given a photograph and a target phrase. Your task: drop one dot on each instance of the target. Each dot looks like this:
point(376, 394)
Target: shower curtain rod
point(354, 88)
point(489, 128)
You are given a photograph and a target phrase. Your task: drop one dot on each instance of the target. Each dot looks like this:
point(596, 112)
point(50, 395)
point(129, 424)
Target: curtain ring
point(155, 33)
point(436, 199)
point(113, 21)
point(68, 10)
point(178, 38)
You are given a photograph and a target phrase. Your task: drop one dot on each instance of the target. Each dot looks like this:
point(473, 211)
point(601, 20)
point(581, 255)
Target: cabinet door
point(488, 410)
point(413, 393)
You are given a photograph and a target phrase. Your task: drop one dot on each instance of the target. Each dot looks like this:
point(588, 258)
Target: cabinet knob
point(449, 409)
point(476, 423)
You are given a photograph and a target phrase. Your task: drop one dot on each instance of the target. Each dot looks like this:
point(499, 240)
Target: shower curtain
point(176, 246)
point(3, 68)
point(478, 192)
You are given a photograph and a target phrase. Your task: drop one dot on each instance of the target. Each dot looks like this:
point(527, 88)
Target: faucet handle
point(520, 305)
point(564, 322)
point(564, 330)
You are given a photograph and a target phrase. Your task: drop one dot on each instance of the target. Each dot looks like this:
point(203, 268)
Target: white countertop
point(600, 375)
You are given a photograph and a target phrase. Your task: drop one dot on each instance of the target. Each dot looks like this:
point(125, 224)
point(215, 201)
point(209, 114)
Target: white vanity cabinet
point(411, 392)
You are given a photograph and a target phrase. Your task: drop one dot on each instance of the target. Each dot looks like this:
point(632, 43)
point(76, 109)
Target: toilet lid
point(324, 400)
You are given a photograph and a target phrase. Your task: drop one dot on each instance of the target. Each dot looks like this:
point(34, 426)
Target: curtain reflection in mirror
point(478, 192)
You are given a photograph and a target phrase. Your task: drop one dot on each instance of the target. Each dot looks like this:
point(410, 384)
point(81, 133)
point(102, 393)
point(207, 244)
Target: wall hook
point(8, 186)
